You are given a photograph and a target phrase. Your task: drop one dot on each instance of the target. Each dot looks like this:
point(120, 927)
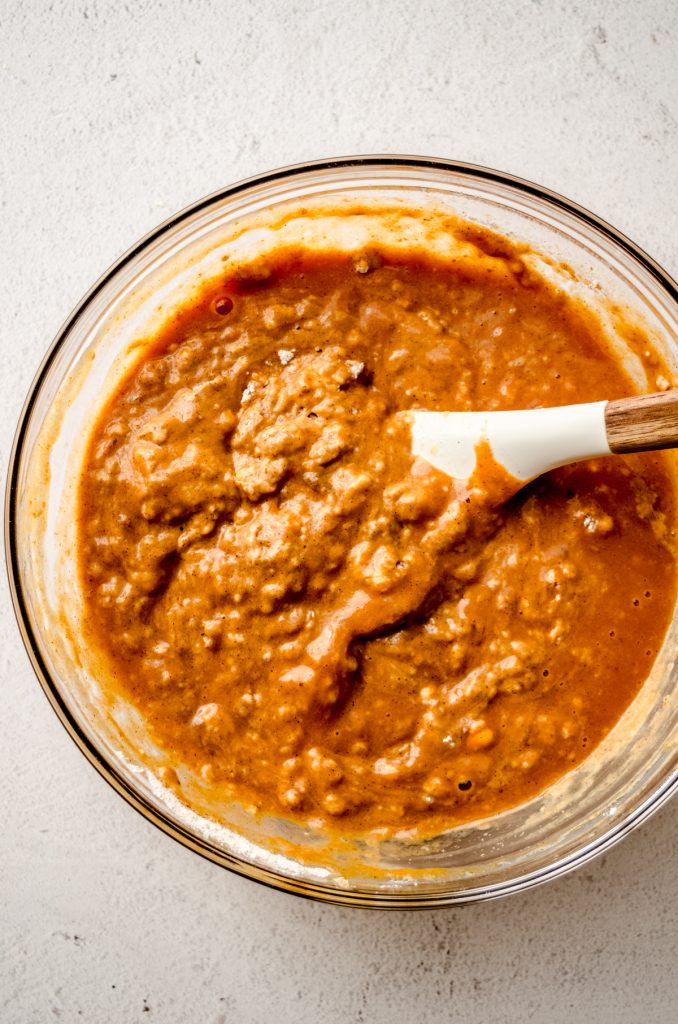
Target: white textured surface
point(113, 116)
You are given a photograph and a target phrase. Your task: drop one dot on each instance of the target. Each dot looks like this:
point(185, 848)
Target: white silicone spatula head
point(528, 442)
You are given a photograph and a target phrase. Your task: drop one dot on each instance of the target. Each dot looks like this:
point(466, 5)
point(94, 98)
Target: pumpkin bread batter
point(326, 628)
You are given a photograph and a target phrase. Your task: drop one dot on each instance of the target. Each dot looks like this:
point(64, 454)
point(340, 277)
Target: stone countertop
point(116, 115)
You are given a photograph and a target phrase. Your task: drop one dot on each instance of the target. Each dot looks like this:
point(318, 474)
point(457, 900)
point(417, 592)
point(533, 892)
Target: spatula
point(525, 443)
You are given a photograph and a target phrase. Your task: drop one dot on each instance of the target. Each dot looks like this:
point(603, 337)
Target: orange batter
point(327, 629)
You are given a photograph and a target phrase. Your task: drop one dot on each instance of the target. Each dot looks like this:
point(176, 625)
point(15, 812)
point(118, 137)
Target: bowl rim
point(312, 890)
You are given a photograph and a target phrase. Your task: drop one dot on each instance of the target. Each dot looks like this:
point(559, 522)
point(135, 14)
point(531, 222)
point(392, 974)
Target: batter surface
point(323, 627)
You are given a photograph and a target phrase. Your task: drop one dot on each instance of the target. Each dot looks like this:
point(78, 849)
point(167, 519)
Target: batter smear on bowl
point(321, 626)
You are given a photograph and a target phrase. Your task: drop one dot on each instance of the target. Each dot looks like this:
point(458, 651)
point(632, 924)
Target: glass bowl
point(626, 778)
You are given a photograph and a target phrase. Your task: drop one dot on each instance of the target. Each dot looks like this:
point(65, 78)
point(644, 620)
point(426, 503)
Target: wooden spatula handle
point(643, 423)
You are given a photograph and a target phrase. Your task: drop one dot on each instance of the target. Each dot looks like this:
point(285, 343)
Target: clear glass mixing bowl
point(626, 778)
